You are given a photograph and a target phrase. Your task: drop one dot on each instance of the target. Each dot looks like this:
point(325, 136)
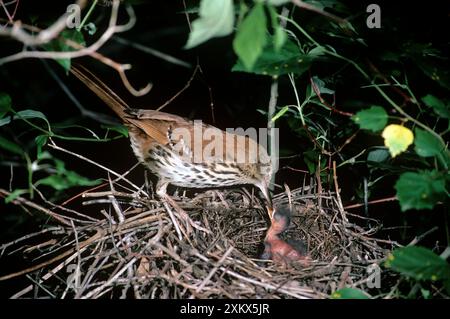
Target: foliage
point(349, 293)
point(421, 190)
point(61, 44)
point(276, 58)
point(56, 175)
point(382, 112)
point(216, 19)
point(418, 263)
point(397, 138)
point(373, 119)
point(421, 265)
point(414, 132)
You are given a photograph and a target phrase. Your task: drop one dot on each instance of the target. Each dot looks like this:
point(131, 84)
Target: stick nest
point(132, 250)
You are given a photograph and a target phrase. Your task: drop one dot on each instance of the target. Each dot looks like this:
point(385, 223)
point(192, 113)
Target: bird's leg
point(161, 191)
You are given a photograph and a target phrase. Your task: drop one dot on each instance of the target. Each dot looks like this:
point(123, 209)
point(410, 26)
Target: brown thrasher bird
point(172, 148)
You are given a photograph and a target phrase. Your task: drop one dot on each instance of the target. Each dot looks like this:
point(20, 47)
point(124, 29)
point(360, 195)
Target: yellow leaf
point(397, 138)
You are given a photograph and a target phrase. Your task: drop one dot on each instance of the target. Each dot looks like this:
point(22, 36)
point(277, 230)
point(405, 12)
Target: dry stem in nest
point(134, 251)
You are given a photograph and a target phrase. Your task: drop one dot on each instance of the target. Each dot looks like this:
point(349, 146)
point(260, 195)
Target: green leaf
point(350, 293)
point(418, 263)
point(322, 4)
point(426, 144)
point(311, 159)
point(280, 113)
point(45, 155)
point(28, 114)
point(60, 166)
point(58, 182)
point(251, 36)
point(40, 140)
point(420, 190)
point(69, 179)
point(16, 193)
point(10, 146)
point(397, 138)
point(438, 106)
point(121, 129)
point(77, 180)
point(374, 118)
point(31, 114)
point(378, 155)
point(425, 293)
point(6, 120)
point(320, 86)
point(59, 45)
point(216, 20)
point(5, 104)
point(317, 51)
point(280, 36)
point(277, 2)
point(288, 60)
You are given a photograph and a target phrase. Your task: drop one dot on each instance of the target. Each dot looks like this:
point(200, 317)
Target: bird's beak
point(265, 190)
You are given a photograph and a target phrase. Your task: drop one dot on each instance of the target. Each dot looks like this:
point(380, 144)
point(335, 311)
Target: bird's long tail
point(101, 90)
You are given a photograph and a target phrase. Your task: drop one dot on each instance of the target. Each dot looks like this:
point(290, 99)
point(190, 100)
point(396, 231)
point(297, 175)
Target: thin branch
point(56, 147)
point(156, 53)
point(16, 32)
point(20, 200)
point(91, 50)
point(112, 28)
point(188, 83)
point(376, 201)
point(324, 102)
point(310, 7)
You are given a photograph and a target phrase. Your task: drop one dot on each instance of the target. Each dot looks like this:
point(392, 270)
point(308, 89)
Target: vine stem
point(87, 15)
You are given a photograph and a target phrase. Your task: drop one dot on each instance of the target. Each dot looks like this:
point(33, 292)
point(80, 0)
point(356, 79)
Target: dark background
point(236, 96)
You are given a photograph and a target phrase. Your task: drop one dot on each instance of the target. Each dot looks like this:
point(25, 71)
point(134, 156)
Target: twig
point(10, 16)
point(336, 186)
point(54, 259)
point(188, 84)
point(49, 274)
point(309, 7)
point(21, 200)
point(322, 100)
point(103, 118)
point(273, 151)
point(114, 202)
point(422, 236)
point(45, 36)
point(56, 147)
point(16, 32)
point(376, 201)
point(51, 229)
point(156, 53)
point(215, 268)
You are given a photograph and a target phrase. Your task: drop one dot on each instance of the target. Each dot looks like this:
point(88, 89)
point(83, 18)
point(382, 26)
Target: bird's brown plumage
point(154, 142)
